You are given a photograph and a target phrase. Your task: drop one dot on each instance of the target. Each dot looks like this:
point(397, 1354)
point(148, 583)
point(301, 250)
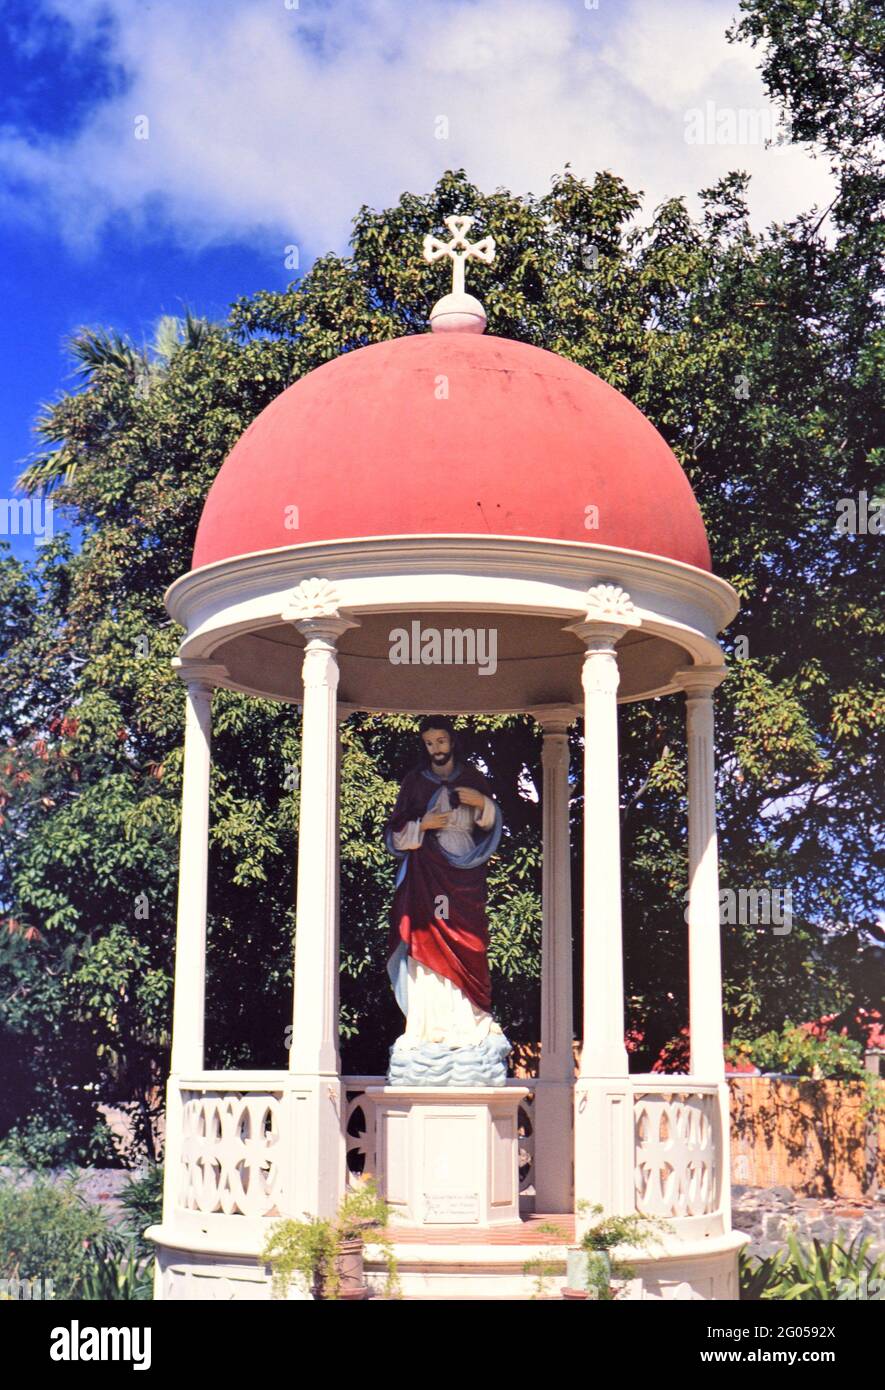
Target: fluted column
point(316, 1175)
point(603, 1096)
point(554, 1092)
point(704, 954)
point(342, 713)
point(557, 1024)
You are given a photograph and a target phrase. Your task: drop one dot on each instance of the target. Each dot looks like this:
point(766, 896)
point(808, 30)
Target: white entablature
point(530, 590)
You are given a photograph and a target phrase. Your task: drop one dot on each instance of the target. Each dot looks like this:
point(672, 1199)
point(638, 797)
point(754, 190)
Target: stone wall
point(769, 1214)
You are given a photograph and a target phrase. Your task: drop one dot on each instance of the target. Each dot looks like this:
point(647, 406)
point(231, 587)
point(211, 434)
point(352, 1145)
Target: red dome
point(451, 433)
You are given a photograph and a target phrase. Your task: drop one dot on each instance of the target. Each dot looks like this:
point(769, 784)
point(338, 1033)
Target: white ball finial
point(458, 312)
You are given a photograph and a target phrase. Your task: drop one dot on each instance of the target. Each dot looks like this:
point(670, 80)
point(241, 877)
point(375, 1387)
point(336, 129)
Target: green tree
point(823, 60)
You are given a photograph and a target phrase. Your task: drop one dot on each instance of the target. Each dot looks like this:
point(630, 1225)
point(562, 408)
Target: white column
point(704, 950)
point(315, 1021)
point(554, 1093)
point(189, 985)
point(604, 1143)
point(189, 997)
point(341, 715)
point(316, 1174)
point(603, 1052)
point(704, 956)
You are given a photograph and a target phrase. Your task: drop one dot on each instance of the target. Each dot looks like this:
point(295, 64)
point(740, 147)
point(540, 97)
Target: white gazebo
point(502, 500)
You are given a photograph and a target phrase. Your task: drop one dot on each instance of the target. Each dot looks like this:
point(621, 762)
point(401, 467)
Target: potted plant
point(325, 1255)
point(591, 1266)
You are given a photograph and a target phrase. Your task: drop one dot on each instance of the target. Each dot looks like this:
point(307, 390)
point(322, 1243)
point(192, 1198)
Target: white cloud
point(270, 122)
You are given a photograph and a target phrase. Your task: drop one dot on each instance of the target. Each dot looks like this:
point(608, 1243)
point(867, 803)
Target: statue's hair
point(438, 721)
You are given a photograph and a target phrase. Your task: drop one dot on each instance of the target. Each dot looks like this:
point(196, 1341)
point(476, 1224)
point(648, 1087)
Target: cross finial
point(460, 249)
point(459, 311)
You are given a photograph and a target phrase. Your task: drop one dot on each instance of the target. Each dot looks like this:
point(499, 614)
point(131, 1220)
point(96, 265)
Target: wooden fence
point(811, 1136)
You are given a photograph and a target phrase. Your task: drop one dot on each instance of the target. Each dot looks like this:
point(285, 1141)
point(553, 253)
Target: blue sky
point(270, 121)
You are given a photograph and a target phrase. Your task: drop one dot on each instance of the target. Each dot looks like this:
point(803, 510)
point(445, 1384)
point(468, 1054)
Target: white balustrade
point(232, 1157)
point(677, 1169)
point(233, 1139)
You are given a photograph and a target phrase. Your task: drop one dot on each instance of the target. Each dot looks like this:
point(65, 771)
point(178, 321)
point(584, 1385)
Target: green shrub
point(43, 1142)
point(306, 1251)
point(47, 1231)
point(814, 1272)
point(599, 1240)
point(796, 1052)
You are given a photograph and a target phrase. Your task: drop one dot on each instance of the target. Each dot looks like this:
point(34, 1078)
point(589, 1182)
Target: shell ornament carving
point(609, 603)
point(312, 598)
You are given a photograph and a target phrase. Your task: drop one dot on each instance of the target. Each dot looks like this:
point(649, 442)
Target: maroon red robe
point(457, 947)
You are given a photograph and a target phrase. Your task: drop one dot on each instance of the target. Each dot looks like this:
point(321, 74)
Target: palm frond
point(101, 349)
point(45, 473)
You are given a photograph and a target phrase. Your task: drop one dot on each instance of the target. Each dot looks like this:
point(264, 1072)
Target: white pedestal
point(448, 1156)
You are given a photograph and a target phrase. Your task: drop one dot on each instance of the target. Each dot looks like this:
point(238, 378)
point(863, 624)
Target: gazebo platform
point(235, 1132)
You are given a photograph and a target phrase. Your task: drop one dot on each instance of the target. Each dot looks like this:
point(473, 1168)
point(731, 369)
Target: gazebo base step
point(466, 1298)
point(472, 1271)
point(503, 1269)
point(521, 1262)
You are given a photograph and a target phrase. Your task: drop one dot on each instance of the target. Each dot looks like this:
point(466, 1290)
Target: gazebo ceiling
point(510, 662)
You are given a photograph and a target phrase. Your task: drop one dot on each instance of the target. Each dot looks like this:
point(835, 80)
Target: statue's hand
point(435, 820)
point(470, 796)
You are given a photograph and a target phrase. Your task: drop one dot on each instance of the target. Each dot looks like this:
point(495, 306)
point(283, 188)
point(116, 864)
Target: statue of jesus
point(444, 828)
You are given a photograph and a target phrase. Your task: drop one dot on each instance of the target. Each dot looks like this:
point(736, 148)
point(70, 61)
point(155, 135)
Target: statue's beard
point(441, 758)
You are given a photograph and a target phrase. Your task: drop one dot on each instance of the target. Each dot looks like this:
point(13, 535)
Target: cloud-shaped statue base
point(435, 1064)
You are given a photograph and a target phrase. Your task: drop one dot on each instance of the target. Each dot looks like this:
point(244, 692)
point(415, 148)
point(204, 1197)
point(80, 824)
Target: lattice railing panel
point(359, 1136)
point(231, 1151)
point(676, 1163)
